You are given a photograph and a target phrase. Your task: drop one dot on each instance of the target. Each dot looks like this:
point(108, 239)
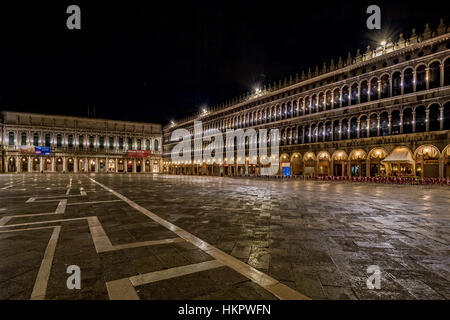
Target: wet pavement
point(179, 237)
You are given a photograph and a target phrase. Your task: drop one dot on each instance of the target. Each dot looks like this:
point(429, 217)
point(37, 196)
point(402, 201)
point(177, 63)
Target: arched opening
point(156, 149)
point(407, 120)
point(374, 89)
point(420, 119)
point(11, 138)
point(395, 122)
point(82, 165)
point(320, 133)
point(373, 125)
point(345, 96)
point(363, 127)
point(70, 165)
point(354, 128)
point(313, 107)
point(285, 165)
point(447, 115)
point(358, 163)
point(296, 163)
point(300, 107)
point(48, 164)
point(323, 164)
point(102, 167)
point(446, 155)
point(377, 168)
point(12, 165)
point(129, 166)
point(427, 161)
point(384, 124)
point(321, 102)
point(300, 135)
point(328, 131)
point(336, 98)
point(435, 75)
point(309, 163)
point(399, 162)
point(314, 133)
point(354, 91)
point(328, 100)
point(289, 110)
point(396, 84)
point(36, 139)
point(24, 164)
point(59, 165)
point(434, 118)
point(421, 78)
point(23, 140)
point(121, 165)
point(336, 130)
point(345, 129)
point(138, 165)
point(364, 92)
point(307, 136)
point(340, 163)
point(447, 72)
point(408, 81)
point(35, 165)
point(92, 165)
point(385, 87)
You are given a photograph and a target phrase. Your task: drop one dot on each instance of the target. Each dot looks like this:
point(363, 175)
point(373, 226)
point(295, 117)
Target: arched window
point(321, 102)
point(70, 141)
point(447, 115)
point(294, 109)
point(307, 135)
point(313, 108)
point(36, 139)
point(336, 130)
point(300, 135)
point(59, 140)
point(111, 143)
point(395, 122)
point(328, 131)
point(396, 84)
point(147, 145)
point(313, 133)
point(11, 138)
point(353, 128)
point(139, 144)
point(156, 145)
point(320, 132)
point(363, 127)
point(102, 142)
point(355, 94)
point(24, 139)
point(374, 89)
point(385, 92)
point(434, 117)
point(345, 130)
point(408, 81)
point(384, 124)
point(407, 120)
point(447, 72)
point(421, 81)
point(121, 144)
point(81, 142)
point(364, 94)
point(328, 100)
point(345, 96)
point(47, 139)
point(435, 75)
point(91, 142)
point(420, 119)
point(336, 95)
point(373, 125)
point(289, 111)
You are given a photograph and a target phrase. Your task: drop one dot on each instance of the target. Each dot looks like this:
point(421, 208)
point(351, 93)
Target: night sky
point(160, 60)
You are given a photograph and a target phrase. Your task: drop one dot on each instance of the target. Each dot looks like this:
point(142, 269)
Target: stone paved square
point(143, 236)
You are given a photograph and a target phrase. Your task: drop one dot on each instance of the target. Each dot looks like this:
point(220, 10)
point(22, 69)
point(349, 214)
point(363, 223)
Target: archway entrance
point(376, 167)
point(427, 161)
point(35, 166)
point(323, 165)
point(12, 165)
point(82, 165)
point(129, 166)
point(399, 163)
point(296, 164)
point(339, 163)
point(309, 162)
point(358, 163)
point(138, 165)
point(59, 165)
point(102, 166)
point(121, 166)
point(111, 165)
point(48, 164)
point(92, 165)
point(24, 164)
point(70, 165)
point(285, 165)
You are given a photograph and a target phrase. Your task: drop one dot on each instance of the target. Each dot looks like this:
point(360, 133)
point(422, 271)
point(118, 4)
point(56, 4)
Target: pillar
point(414, 121)
point(18, 164)
point(97, 165)
point(401, 121)
point(414, 81)
point(441, 167)
point(116, 167)
point(358, 127)
point(75, 165)
point(427, 121)
point(41, 164)
point(441, 119)
point(378, 125)
point(134, 165)
point(427, 78)
point(368, 168)
point(389, 124)
point(349, 168)
point(30, 164)
point(53, 164)
point(64, 164)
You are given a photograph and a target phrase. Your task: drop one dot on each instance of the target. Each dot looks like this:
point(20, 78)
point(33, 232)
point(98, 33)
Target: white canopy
point(399, 155)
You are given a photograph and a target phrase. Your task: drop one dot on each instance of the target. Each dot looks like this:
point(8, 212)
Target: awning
point(399, 155)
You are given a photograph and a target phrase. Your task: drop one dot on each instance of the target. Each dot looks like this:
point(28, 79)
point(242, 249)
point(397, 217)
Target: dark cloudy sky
point(160, 60)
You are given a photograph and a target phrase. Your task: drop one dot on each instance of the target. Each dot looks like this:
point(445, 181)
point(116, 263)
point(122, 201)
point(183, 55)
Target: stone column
point(18, 164)
point(401, 121)
point(413, 121)
point(65, 165)
point(368, 127)
point(340, 129)
point(427, 78)
point(402, 88)
point(368, 168)
point(427, 120)
point(116, 167)
point(358, 127)
point(349, 168)
point(441, 119)
point(53, 164)
point(75, 165)
point(134, 165)
point(97, 165)
point(379, 89)
point(41, 164)
point(378, 126)
point(414, 81)
point(389, 124)
point(30, 164)
point(441, 167)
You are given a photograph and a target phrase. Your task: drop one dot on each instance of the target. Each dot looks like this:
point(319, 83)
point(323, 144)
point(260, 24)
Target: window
point(91, 142)
point(111, 143)
point(120, 143)
point(11, 138)
point(156, 145)
point(59, 141)
point(139, 144)
point(102, 142)
point(130, 143)
point(47, 139)
point(147, 144)
point(24, 139)
point(80, 142)
point(70, 141)
point(36, 139)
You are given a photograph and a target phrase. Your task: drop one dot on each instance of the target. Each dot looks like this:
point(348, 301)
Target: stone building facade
point(74, 144)
point(382, 112)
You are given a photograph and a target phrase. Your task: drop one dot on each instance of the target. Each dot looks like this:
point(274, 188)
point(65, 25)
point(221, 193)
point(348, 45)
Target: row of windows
point(140, 144)
point(411, 79)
